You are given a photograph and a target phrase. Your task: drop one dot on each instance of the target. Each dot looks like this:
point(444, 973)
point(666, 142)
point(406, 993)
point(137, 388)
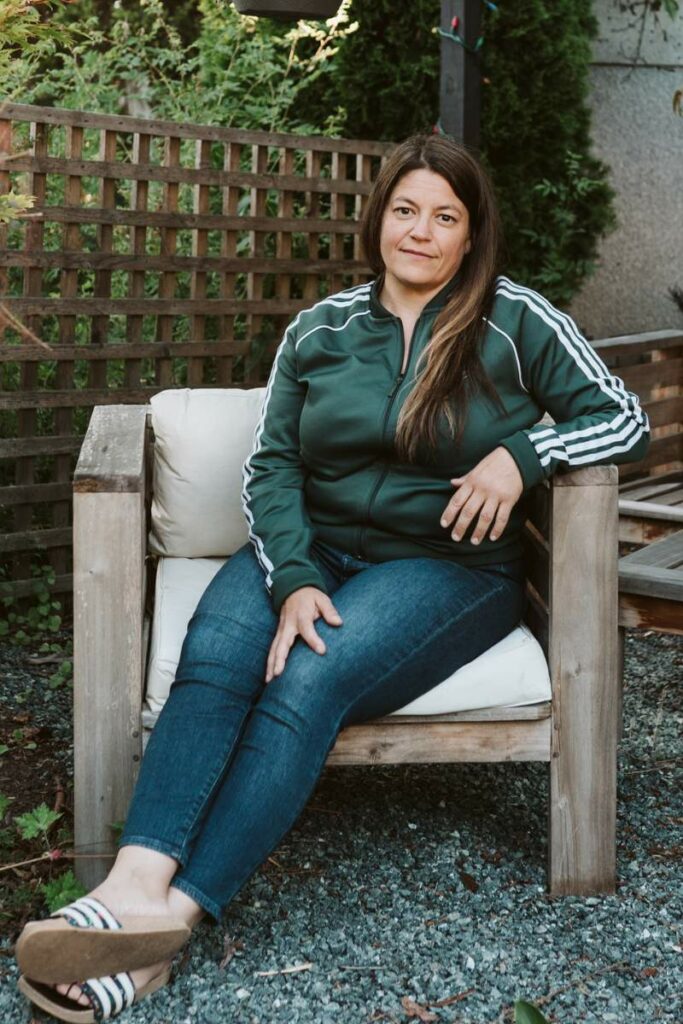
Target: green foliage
point(386, 74)
point(41, 617)
point(555, 198)
point(60, 891)
point(36, 822)
point(239, 71)
point(525, 1013)
point(13, 205)
point(27, 41)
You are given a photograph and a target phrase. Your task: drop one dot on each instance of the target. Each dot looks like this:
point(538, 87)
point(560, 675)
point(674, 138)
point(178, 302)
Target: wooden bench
point(651, 586)
point(651, 490)
point(572, 611)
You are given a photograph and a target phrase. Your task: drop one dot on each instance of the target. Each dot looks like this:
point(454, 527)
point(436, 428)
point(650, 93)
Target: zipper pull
point(397, 384)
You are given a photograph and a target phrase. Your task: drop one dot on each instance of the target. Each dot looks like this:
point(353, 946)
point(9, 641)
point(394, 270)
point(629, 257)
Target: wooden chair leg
point(584, 664)
point(621, 657)
point(109, 590)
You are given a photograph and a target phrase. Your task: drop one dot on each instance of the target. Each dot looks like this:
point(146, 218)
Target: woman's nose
point(421, 228)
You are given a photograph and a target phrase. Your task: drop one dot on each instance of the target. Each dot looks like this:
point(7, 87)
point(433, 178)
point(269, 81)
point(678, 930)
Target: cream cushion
point(511, 673)
point(202, 437)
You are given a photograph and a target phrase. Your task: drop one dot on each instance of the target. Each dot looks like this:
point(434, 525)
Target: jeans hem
point(198, 896)
point(160, 845)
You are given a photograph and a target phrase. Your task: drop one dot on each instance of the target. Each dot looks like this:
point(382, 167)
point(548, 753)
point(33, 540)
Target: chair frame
point(571, 557)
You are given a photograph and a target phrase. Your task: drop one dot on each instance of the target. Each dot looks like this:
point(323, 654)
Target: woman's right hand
point(297, 615)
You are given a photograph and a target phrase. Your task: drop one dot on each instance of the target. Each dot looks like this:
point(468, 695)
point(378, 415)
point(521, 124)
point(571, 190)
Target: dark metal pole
point(460, 84)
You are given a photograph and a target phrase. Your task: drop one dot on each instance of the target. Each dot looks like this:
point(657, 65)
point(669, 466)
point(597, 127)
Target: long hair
point(449, 369)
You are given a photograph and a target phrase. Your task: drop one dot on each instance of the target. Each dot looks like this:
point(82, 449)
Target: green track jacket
point(324, 465)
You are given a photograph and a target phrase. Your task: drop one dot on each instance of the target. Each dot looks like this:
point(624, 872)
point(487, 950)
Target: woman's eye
point(402, 209)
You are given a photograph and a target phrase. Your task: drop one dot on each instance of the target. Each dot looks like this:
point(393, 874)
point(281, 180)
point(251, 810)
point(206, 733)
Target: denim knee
point(223, 652)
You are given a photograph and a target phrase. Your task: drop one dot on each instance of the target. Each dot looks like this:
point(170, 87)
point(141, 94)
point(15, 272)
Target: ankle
point(143, 869)
point(183, 906)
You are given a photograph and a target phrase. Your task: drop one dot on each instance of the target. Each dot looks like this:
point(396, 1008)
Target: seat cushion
point(512, 673)
point(202, 438)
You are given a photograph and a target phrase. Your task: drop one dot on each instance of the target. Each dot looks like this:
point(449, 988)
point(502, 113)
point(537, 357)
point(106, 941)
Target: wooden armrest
point(112, 456)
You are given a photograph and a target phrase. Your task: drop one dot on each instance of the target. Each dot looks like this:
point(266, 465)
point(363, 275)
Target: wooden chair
point(571, 561)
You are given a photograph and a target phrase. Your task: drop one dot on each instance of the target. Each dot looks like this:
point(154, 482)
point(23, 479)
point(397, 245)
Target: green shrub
point(555, 198)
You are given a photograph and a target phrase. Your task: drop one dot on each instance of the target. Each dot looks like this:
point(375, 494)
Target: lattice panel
point(166, 255)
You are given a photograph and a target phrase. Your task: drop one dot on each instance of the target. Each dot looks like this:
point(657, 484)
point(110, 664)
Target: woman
point(399, 432)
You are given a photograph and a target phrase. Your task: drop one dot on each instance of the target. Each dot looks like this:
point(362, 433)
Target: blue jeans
point(232, 761)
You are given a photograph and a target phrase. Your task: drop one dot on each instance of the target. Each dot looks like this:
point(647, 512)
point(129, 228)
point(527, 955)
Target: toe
point(73, 992)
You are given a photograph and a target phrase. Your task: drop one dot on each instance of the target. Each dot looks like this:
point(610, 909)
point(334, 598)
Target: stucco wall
point(636, 131)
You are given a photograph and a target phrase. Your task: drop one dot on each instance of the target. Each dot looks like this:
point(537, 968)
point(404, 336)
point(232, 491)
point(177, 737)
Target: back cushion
point(202, 438)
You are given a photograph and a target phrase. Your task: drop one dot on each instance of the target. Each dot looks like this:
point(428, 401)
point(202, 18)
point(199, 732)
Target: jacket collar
point(436, 302)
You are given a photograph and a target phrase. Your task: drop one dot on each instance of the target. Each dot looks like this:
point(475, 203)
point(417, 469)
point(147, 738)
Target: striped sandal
point(87, 940)
point(109, 996)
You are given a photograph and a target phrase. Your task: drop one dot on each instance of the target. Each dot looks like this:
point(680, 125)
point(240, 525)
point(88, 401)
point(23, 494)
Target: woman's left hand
point(493, 485)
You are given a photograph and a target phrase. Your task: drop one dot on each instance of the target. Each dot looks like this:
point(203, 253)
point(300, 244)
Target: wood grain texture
point(584, 667)
point(112, 455)
point(109, 598)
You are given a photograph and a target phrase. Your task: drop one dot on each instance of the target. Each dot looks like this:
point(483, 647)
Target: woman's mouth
point(413, 252)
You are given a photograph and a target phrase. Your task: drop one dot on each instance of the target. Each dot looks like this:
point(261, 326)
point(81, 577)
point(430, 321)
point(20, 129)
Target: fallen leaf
point(468, 881)
point(414, 1009)
point(229, 949)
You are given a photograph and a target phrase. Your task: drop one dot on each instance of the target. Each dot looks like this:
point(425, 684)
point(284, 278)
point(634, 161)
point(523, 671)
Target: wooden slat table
point(651, 507)
point(651, 586)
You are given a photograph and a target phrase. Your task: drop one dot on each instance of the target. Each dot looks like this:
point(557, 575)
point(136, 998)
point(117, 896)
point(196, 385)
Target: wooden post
point(460, 84)
point(584, 665)
point(109, 533)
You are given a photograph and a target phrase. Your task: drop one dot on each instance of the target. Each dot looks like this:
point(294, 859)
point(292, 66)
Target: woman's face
point(425, 232)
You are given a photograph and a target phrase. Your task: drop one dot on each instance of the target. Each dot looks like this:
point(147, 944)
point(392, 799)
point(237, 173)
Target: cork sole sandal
point(109, 996)
point(89, 941)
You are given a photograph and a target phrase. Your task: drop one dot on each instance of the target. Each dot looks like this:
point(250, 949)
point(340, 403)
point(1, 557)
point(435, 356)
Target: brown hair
point(453, 369)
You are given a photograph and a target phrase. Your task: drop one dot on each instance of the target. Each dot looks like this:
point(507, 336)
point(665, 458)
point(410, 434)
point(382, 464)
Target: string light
point(453, 34)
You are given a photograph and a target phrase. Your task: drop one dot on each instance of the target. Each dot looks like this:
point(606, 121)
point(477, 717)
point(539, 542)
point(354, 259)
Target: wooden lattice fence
point(165, 255)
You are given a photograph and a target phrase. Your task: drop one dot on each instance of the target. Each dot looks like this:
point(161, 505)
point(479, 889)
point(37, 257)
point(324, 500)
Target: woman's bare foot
point(124, 892)
point(139, 977)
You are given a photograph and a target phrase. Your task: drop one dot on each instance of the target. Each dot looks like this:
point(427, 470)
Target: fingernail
point(475, 540)
point(443, 522)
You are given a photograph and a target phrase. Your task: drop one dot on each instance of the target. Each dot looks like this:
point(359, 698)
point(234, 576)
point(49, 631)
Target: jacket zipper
point(391, 396)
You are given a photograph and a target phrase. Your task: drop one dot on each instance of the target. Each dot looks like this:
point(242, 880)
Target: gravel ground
point(426, 885)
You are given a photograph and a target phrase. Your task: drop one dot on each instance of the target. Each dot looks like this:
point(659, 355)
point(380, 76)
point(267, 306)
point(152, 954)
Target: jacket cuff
point(523, 452)
point(290, 580)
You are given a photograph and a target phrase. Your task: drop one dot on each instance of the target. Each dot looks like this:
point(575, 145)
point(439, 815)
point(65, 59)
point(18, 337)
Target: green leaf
point(3, 750)
point(36, 821)
point(526, 1013)
point(62, 890)
point(5, 801)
